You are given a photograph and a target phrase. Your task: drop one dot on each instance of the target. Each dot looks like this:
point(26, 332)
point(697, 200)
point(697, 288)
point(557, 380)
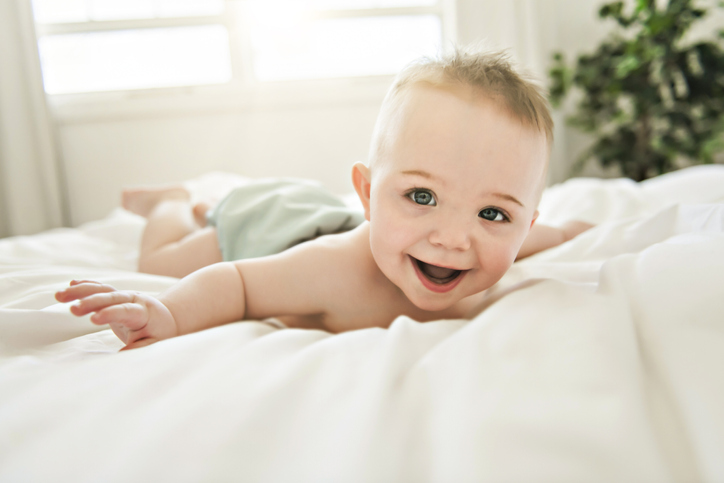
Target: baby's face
point(453, 194)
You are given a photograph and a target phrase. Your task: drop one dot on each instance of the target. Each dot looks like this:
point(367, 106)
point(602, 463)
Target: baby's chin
point(434, 303)
point(458, 305)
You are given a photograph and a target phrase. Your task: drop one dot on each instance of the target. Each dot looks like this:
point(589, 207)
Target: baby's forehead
point(429, 117)
point(421, 102)
point(409, 96)
point(424, 101)
point(452, 91)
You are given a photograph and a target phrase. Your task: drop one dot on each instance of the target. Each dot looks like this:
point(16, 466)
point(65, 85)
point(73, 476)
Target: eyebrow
point(425, 174)
point(419, 172)
point(509, 198)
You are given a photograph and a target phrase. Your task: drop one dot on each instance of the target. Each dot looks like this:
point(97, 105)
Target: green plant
point(652, 103)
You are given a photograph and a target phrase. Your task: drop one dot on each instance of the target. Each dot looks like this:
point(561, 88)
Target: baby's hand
point(137, 319)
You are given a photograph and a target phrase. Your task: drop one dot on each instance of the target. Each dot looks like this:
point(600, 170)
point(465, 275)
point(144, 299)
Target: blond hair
point(489, 72)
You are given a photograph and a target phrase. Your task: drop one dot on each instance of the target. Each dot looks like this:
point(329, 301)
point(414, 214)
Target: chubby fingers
point(99, 301)
point(130, 315)
point(81, 288)
point(78, 282)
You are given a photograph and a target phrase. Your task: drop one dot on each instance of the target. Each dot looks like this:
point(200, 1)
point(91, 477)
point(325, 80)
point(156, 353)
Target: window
point(349, 38)
point(122, 45)
point(103, 45)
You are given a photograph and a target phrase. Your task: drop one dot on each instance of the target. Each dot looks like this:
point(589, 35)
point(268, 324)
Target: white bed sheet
point(610, 368)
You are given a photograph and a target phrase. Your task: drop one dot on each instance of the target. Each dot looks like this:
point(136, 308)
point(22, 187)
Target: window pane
point(119, 10)
point(361, 4)
point(188, 8)
point(342, 47)
point(60, 11)
point(302, 5)
point(135, 59)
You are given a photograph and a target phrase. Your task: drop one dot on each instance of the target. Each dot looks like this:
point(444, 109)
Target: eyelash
point(506, 218)
point(410, 195)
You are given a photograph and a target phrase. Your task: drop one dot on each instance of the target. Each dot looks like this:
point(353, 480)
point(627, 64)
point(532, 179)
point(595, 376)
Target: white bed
point(611, 368)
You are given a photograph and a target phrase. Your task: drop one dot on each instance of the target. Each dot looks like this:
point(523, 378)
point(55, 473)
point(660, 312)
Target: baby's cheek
point(503, 265)
point(394, 230)
point(503, 259)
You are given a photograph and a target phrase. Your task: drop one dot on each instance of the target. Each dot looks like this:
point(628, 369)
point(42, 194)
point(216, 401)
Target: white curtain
point(31, 197)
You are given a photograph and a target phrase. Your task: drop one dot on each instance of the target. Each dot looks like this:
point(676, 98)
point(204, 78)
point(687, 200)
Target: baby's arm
point(209, 297)
point(542, 237)
point(296, 282)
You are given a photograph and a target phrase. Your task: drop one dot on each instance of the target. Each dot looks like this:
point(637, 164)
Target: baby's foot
point(142, 201)
point(200, 209)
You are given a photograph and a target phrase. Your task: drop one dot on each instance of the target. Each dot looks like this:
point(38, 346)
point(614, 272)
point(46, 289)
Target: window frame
point(243, 92)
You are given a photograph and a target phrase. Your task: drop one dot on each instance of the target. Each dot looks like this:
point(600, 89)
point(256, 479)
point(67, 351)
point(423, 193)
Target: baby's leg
point(173, 243)
point(142, 201)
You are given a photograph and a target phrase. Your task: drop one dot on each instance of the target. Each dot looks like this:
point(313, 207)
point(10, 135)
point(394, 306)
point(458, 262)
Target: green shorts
point(268, 216)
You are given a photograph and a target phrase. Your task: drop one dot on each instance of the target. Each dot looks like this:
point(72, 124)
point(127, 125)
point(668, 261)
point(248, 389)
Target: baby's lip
point(437, 278)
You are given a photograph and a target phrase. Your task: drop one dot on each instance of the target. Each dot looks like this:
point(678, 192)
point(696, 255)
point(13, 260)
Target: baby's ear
point(361, 182)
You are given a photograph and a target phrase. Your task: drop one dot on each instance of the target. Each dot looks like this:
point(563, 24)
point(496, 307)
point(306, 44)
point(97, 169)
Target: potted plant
point(652, 102)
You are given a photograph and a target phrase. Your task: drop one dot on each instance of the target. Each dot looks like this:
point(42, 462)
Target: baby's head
point(457, 166)
point(487, 74)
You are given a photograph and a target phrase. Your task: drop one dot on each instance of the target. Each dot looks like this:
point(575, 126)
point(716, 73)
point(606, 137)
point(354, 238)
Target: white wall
point(317, 140)
point(314, 142)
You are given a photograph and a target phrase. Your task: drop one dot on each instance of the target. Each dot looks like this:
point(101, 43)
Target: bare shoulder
point(307, 280)
point(332, 254)
point(359, 294)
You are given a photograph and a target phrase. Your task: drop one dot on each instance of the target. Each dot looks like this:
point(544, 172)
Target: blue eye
point(491, 214)
point(422, 197)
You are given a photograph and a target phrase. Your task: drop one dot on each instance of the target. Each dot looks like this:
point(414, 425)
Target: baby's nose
point(451, 234)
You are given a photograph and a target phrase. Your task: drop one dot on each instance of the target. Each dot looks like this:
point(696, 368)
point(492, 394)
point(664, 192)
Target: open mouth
point(437, 279)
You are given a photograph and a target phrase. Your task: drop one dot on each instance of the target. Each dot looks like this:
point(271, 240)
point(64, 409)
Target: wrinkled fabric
point(608, 367)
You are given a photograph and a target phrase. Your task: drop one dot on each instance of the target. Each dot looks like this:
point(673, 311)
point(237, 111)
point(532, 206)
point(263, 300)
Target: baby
point(457, 166)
